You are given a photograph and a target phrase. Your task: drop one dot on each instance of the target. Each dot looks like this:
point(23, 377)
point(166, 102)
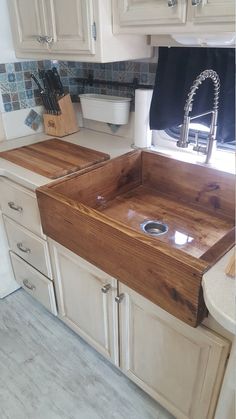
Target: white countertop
point(111, 144)
point(220, 294)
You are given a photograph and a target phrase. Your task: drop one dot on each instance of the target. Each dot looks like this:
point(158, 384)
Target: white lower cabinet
point(179, 366)
point(36, 284)
point(86, 300)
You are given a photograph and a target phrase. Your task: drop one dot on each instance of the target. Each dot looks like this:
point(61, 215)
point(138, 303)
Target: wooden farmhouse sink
point(98, 214)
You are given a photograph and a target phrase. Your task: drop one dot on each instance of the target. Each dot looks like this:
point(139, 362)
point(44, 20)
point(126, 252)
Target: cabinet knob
point(15, 207)
point(28, 285)
point(119, 298)
point(48, 40)
point(41, 39)
point(105, 288)
point(45, 39)
point(172, 3)
point(196, 2)
point(22, 248)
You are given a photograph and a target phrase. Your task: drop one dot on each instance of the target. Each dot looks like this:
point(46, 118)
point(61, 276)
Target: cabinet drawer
point(21, 205)
point(28, 246)
point(36, 284)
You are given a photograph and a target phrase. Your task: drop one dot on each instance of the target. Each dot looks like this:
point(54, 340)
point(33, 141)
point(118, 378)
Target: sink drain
point(154, 228)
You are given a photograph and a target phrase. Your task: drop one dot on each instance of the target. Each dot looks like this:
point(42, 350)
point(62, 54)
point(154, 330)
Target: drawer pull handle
point(196, 2)
point(15, 207)
point(105, 288)
point(22, 248)
point(119, 298)
point(28, 285)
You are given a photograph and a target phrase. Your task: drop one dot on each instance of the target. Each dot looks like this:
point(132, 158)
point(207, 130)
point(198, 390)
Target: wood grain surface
point(102, 226)
point(54, 158)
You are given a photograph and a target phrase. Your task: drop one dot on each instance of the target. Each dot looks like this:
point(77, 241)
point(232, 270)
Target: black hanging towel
point(177, 69)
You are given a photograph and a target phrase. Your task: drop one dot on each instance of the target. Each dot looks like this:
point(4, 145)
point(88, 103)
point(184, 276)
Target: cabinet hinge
point(94, 31)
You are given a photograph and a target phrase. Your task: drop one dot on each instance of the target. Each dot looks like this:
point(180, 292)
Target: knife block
point(63, 124)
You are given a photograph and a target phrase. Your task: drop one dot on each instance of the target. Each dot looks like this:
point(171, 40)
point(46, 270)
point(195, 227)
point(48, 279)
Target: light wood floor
point(48, 372)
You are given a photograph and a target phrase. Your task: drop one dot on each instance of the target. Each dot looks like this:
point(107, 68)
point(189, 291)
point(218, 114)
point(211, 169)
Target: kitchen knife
point(42, 93)
point(41, 90)
point(48, 93)
point(58, 83)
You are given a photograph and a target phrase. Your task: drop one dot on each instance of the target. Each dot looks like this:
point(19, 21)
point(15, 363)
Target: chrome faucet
point(184, 134)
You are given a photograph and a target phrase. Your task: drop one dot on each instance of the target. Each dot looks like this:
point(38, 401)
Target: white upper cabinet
point(71, 30)
point(214, 11)
point(150, 12)
point(173, 16)
point(69, 25)
point(29, 24)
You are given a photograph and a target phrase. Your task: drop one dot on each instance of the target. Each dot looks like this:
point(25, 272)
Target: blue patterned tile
point(8, 107)
point(33, 66)
point(16, 106)
point(18, 67)
point(10, 68)
point(22, 95)
point(144, 78)
point(20, 86)
point(14, 97)
point(2, 68)
point(11, 77)
point(65, 80)
point(6, 97)
point(29, 93)
point(30, 103)
point(4, 87)
point(28, 84)
point(13, 87)
point(115, 66)
point(144, 67)
point(108, 75)
point(23, 104)
point(19, 76)
point(26, 65)
point(3, 77)
point(122, 66)
point(47, 64)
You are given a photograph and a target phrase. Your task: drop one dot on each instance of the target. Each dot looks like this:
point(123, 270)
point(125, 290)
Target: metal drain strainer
point(154, 228)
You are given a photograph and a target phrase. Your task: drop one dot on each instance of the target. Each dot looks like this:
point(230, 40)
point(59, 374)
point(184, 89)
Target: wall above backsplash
point(18, 90)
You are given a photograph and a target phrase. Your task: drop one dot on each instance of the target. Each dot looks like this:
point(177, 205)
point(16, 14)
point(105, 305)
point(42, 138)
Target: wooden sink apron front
point(97, 214)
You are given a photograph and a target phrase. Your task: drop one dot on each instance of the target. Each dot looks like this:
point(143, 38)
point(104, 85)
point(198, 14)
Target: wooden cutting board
point(54, 158)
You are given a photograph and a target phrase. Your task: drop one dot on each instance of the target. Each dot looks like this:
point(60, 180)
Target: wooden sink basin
point(97, 214)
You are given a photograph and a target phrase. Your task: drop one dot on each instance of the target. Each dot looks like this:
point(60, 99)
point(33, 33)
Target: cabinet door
point(215, 11)
point(70, 24)
point(27, 24)
point(86, 300)
point(179, 366)
point(150, 12)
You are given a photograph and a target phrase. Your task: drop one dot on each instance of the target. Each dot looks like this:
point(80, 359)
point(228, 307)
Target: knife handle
point(37, 83)
point(60, 87)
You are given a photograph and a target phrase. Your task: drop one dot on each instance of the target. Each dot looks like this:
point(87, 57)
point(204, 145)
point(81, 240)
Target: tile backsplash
point(19, 91)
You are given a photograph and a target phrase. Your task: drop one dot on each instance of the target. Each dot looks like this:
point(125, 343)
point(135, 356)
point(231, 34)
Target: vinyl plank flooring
point(48, 372)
